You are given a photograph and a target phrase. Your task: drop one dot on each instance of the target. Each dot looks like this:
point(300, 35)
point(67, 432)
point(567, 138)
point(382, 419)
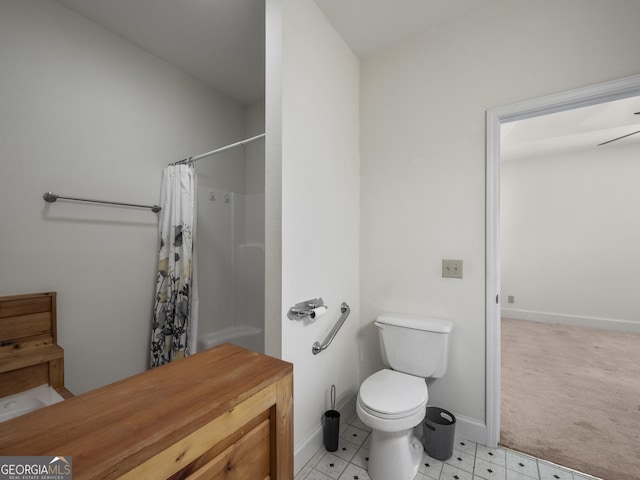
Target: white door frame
point(600, 93)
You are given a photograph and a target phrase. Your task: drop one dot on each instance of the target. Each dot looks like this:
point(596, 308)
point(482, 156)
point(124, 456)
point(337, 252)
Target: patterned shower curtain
point(172, 312)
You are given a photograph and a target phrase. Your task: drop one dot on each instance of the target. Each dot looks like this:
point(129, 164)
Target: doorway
point(568, 337)
point(497, 117)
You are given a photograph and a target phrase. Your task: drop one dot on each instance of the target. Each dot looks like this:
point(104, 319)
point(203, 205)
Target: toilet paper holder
point(306, 309)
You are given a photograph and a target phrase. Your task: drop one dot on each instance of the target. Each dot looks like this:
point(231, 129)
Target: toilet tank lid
point(417, 322)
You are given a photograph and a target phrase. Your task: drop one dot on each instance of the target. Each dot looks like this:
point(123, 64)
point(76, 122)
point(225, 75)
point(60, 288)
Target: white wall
point(86, 114)
point(254, 151)
point(423, 107)
point(569, 245)
point(273, 178)
point(320, 209)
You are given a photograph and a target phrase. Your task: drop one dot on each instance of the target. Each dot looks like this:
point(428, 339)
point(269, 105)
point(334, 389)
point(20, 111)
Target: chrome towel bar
point(52, 197)
point(317, 348)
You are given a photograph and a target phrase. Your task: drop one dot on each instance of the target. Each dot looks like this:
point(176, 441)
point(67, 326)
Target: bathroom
point(374, 173)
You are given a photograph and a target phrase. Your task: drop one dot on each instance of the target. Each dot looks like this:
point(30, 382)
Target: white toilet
point(392, 402)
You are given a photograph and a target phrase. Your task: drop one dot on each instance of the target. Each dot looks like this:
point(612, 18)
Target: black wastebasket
point(438, 431)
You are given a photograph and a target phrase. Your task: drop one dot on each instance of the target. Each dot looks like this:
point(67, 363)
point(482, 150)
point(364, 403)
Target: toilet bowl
point(394, 401)
point(392, 404)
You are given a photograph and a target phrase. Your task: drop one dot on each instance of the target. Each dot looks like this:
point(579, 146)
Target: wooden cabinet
point(29, 354)
point(225, 413)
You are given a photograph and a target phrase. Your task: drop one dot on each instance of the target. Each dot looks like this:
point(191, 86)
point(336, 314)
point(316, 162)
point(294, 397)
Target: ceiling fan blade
point(619, 138)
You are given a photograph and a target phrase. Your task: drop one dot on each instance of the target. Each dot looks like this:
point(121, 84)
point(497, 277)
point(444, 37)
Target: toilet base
point(394, 455)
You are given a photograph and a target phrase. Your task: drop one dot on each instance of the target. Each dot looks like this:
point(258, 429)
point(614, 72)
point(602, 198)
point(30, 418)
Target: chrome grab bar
point(317, 348)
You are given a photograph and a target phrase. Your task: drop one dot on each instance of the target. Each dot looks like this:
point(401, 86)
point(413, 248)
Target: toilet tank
point(415, 344)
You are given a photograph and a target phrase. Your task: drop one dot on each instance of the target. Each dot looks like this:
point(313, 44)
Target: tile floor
point(470, 461)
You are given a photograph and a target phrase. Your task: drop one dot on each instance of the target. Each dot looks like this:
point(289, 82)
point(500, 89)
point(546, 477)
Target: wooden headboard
point(29, 353)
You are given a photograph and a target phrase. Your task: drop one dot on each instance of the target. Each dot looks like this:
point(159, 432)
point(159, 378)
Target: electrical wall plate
point(451, 268)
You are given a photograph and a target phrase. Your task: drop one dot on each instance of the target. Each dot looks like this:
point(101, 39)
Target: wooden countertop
point(116, 427)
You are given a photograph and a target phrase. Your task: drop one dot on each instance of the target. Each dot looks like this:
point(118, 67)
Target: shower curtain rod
point(219, 150)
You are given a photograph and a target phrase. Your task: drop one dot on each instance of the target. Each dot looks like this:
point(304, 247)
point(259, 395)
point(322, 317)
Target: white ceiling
point(221, 42)
point(579, 129)
point(371, 25)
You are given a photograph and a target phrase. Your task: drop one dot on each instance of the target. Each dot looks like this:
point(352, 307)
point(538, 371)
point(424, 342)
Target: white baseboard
point(307, 450)
point(611, 324)
point(471, 429)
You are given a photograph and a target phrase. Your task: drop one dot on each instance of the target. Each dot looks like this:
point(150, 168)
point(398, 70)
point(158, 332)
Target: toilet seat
point(392, 395)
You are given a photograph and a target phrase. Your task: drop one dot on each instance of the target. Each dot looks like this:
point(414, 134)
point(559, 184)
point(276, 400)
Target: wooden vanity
point(225, 413)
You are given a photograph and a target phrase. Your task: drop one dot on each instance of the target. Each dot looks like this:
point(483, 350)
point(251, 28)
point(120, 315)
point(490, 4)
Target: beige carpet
point(571, 395)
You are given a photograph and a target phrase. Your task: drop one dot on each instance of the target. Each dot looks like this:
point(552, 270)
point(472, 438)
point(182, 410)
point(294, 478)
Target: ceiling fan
point(620, 138)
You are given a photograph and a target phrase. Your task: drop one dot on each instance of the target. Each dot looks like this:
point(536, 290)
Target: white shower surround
point(230, 268)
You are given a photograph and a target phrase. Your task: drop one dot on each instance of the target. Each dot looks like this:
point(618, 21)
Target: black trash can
point(439, 429)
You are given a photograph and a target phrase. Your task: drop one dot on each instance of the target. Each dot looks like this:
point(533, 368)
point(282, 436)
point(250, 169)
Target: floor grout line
point(470, 461)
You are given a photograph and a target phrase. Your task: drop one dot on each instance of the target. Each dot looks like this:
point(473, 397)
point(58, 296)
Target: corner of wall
point(314, 442)
point(273, 178)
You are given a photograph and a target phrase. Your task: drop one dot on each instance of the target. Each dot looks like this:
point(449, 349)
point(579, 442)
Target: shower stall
point(229, 246)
